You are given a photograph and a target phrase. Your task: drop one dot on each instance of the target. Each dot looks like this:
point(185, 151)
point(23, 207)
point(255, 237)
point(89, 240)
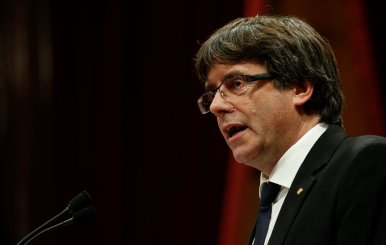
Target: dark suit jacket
point(344, 194)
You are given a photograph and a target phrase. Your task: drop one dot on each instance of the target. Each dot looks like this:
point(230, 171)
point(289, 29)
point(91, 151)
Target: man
point(273, 85)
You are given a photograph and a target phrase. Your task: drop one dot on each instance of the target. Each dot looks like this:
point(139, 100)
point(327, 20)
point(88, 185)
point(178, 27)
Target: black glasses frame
point(202, 103)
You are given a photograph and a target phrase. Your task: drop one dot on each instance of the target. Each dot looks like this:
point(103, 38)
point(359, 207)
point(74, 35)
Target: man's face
point(256, 123)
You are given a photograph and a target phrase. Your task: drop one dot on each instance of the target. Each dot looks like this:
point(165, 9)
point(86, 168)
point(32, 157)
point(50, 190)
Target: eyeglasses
point(234, 85)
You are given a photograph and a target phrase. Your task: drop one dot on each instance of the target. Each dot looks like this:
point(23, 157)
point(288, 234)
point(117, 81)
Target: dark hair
point(290, 49)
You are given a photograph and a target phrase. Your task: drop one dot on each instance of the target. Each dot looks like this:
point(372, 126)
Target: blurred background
point(101, 96)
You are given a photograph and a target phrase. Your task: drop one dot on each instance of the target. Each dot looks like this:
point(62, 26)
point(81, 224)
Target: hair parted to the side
point(291, 50)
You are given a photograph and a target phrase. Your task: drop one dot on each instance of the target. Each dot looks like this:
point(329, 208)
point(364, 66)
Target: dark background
point(101, 96)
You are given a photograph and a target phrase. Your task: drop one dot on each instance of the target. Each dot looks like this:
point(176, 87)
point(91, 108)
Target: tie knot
point(268, 194)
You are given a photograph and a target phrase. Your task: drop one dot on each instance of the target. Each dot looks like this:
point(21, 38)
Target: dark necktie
point(268, 194)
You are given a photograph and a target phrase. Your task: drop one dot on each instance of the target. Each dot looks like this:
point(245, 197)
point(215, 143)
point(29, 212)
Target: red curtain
point(365, 111)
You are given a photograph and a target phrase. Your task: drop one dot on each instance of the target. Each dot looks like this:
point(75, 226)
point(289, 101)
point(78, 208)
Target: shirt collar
point(288, 165)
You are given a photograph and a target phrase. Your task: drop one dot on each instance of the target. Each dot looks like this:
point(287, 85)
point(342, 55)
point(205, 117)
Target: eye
point(236, 85)
point(207, 99)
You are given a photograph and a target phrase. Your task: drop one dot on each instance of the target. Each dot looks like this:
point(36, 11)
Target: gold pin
point(300, 190)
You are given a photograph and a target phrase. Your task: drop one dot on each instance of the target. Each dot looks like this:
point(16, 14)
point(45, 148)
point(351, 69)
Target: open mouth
point(234, 130)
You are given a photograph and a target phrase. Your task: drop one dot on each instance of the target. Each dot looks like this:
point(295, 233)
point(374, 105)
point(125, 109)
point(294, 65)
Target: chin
point(246, 157)
point(240, 158)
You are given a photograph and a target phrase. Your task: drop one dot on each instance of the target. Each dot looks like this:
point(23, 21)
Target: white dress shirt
point(286, 168)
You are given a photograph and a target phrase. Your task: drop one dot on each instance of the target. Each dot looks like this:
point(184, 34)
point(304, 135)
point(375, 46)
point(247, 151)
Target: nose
point(220, 105)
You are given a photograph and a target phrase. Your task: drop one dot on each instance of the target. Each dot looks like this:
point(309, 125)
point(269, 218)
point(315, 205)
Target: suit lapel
point(304, 180)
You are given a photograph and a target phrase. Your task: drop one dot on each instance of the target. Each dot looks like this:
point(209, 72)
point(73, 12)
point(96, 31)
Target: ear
point(302, 93)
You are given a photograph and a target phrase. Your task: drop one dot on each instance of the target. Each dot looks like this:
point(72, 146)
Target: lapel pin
point(300, 190)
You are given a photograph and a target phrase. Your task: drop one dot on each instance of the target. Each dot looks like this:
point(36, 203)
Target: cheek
point(271, 111)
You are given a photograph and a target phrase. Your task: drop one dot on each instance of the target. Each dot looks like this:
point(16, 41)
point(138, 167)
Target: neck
point(298, 131)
